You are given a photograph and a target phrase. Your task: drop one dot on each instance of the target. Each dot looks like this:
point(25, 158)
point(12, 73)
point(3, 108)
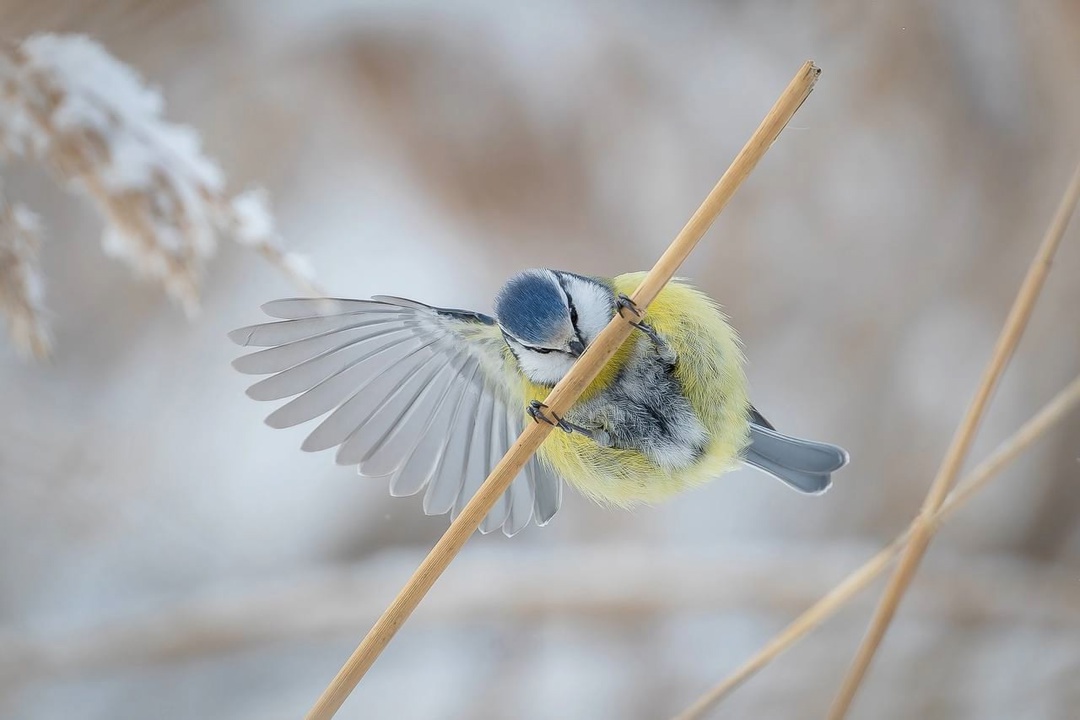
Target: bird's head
point(548, 317)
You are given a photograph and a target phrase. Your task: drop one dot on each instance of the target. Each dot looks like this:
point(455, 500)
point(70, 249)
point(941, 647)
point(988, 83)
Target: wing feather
point(287, 331)
point(521, 490)
point(449, 475)
point(547, 491)
point(283, 357)
point(500, 511)
point(478, 455)
point(322, 367)
point(389, 420)
point(420, 462)
point(295, 308)
point(378, 387)
point(325, 395)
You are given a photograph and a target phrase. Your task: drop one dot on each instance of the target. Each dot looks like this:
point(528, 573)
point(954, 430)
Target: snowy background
point(163, 554)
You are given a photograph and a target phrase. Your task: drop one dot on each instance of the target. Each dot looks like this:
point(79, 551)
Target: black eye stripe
point(510, 340)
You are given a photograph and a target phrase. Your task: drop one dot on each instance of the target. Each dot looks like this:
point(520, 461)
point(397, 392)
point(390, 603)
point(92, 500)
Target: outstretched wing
point(418, 394)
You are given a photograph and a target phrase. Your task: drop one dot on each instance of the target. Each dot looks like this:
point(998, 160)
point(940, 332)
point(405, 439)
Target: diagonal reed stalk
point(561, 398)
point(923, 529)
point(1052, 413)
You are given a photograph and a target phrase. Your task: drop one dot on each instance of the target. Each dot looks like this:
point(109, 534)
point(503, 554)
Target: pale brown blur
point(163, 554)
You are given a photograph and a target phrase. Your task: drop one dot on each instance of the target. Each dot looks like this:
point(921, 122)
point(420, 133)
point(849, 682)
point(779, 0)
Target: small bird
point(432, 398)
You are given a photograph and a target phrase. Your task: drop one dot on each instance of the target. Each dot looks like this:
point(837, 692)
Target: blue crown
point(531, 308)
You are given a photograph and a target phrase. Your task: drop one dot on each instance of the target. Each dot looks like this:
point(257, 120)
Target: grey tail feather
point(804, 465)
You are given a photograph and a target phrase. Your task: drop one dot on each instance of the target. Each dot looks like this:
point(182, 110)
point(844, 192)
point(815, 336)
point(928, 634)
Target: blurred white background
point(163, 554)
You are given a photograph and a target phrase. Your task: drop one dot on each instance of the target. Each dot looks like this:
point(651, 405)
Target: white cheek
point(592, 324)
point(593, 304)
point(595, 317)
point(544, 369)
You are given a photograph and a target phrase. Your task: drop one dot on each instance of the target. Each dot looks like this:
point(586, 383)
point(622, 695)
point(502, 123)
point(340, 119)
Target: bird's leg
point(536, 412)
point(663, 349)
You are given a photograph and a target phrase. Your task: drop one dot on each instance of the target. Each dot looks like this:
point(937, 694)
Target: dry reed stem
point(1051, 414)
point(958, 449)
point(286, 263)
point(561, 398)
point(20, 280)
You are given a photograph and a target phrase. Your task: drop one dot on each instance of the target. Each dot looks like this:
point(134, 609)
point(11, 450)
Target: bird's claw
point(536, 412)
point(624, 302)
point(663, 349)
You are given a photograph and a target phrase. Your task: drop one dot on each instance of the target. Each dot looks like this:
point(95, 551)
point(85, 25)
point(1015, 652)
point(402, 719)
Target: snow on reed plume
point(66, 103)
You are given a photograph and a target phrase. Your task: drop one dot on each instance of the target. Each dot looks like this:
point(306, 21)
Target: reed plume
point(68, 105)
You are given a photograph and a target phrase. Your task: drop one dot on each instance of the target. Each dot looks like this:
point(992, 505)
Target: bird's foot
point(667, 355)
point(623, 302)
point(536, 411)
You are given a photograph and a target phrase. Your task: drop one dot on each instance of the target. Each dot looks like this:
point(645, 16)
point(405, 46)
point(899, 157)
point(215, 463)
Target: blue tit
point(431, 398)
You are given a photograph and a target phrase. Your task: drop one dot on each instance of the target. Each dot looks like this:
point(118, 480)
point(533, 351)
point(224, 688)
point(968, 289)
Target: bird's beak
point(576, 347)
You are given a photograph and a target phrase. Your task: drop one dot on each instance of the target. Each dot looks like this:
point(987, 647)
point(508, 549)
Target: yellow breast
point(710, 369)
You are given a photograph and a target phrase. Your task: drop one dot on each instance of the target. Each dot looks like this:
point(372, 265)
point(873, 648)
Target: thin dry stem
point(20, 280)
point(958, 450)
point(1049, 416)
point(561, 398)
point(287, 264)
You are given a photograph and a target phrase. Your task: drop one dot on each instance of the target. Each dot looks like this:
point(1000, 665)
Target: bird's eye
point(542, 351)
point(573, 316)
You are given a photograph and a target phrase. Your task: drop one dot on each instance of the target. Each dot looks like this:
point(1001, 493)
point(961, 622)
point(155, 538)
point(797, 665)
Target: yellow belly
point(711, 373)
